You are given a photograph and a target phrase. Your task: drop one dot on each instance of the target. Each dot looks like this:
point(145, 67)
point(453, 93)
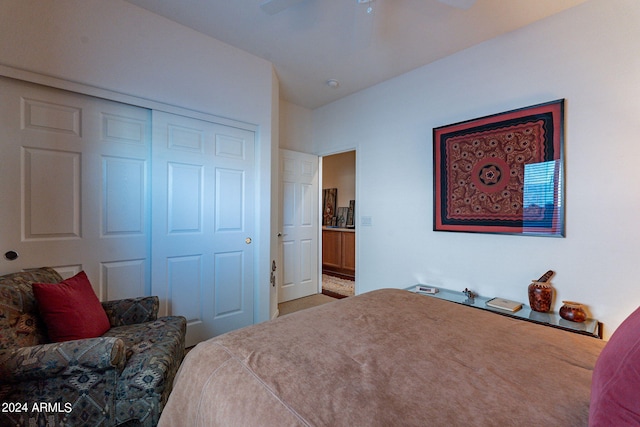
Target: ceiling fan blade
point(459, 4)
point(275, 6)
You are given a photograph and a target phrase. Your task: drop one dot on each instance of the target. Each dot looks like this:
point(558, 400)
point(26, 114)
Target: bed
point(393, 357)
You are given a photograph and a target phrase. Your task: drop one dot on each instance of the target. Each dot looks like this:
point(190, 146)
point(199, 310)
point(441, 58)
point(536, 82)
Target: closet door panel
point(203, 223)
point(74, 186)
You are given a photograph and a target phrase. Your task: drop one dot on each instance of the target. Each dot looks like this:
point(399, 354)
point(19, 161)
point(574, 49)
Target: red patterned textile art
point(501, 173)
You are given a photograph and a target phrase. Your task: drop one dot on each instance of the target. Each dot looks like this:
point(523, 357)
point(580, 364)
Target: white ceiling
point(317, 40)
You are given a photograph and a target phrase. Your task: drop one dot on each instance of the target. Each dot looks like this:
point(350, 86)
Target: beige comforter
point(387, 358)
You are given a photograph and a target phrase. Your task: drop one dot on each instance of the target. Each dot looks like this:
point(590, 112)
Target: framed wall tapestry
point(502, 173)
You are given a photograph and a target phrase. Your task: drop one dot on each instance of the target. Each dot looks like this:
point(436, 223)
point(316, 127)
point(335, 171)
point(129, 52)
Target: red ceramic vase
point(573, 311)
point(540, 296)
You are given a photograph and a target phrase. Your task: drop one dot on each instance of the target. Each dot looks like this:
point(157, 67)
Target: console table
point(589, 327)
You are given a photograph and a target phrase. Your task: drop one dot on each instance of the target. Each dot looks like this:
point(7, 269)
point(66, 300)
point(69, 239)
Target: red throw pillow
point(70, 309)
point(615, 384)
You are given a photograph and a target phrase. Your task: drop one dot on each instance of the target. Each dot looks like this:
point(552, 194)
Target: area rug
point(337, 287)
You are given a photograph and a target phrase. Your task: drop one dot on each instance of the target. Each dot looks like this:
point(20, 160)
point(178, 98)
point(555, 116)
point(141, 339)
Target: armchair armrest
point(63, 358)
point(131, 311)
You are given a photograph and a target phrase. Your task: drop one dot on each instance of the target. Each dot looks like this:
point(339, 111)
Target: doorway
point(338, 199)
point(298, 225)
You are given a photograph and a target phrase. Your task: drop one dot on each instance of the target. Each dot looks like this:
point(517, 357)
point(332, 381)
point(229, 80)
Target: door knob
point(247, 240)
point(11, 255)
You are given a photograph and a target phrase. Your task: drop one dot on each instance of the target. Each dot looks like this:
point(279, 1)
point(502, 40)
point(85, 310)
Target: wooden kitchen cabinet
point(339, 252)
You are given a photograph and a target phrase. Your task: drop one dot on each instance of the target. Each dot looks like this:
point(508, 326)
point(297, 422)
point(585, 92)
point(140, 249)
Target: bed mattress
point(387, 357)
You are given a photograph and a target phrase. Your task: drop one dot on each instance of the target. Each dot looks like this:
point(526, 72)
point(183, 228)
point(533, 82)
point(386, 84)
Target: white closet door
point(203, 223)
point(74, 187)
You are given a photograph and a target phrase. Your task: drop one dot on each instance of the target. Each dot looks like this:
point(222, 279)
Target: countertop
point(351, 230)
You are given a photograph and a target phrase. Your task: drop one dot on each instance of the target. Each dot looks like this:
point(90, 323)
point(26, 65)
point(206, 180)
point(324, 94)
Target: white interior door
point(74, 187)
point(203, 223)
point(299, 225)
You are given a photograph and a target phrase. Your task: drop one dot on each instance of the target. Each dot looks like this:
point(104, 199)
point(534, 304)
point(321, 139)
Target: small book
point(426, 289)
point(504, 304)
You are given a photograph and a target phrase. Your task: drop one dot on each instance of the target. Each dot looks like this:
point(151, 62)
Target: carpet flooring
point(332, 288)
point(303, 303)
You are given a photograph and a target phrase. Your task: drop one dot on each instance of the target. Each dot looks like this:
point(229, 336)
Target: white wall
point(116, 46)
point(339, 171)
point(274, 206)
point(295, 127)
point(587, 55)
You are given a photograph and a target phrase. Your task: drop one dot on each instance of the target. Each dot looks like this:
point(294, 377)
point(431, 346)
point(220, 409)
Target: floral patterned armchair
point(123, 377)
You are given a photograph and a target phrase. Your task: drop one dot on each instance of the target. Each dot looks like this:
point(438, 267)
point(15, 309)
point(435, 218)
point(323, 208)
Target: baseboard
point(276, 314)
